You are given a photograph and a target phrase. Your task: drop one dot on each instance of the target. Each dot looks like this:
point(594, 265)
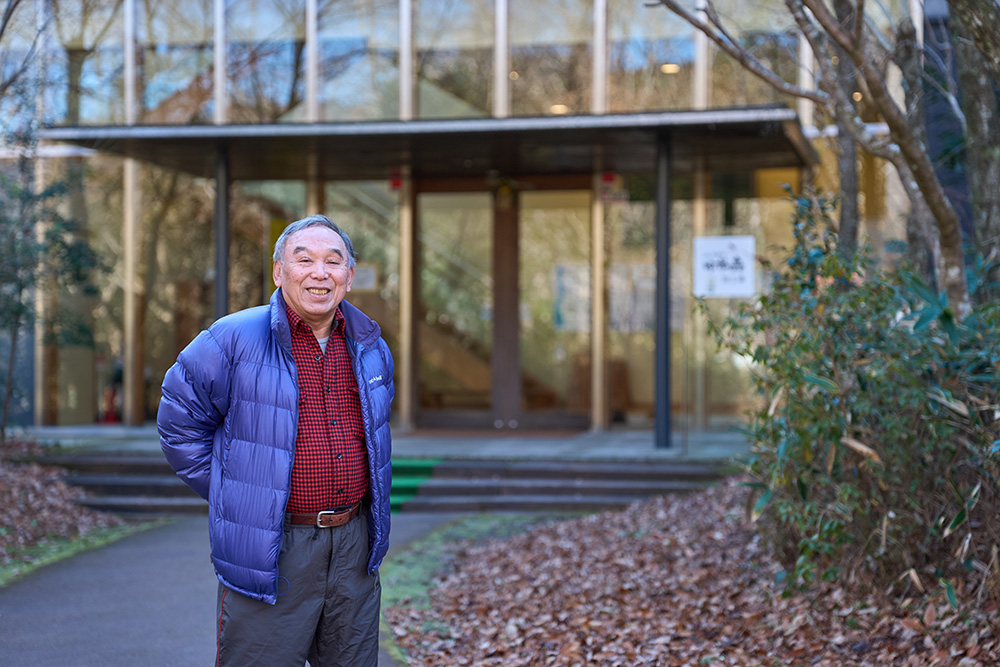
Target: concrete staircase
point(138, 483)
point(538, 486)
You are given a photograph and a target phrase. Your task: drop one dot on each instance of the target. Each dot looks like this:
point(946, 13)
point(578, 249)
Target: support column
point(599, 412)
point(220, 227)
point(407, 104)
point(133, 389)
point(699, 224)
point(501, 62)
point(220, 91)
point(663, 168)
point(506, 361)
point(406, 365)
point(599, 82)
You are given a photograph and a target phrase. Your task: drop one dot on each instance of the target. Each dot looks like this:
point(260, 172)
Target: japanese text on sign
point(724, 266)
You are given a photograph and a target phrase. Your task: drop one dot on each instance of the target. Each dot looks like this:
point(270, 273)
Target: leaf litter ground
point(679, 580)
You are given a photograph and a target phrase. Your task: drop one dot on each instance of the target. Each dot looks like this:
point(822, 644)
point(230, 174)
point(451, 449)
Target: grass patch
point(53, 550)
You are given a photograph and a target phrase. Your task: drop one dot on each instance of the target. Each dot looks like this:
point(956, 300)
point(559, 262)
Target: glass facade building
point(496, 162)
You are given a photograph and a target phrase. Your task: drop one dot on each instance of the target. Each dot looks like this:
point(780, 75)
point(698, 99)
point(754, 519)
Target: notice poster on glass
point(724, 267)
point(571, 298)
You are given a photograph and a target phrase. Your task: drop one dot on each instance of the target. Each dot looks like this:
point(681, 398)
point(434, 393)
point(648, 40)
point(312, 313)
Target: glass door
point(555, 308)
point(454, 328)
point(504, 305)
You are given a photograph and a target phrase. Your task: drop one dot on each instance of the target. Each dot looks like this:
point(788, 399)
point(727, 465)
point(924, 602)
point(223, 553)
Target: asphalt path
point(148, 599)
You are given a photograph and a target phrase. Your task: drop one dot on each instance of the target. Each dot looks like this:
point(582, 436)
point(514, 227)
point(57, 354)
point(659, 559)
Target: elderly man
point(279, 416)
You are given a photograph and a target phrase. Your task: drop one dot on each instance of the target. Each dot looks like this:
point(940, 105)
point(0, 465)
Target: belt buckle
point(319, 517)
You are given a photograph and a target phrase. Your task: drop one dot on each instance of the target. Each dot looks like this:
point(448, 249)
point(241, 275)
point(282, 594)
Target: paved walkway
point(149, 599)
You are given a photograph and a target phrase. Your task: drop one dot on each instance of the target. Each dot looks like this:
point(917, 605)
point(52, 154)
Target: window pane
point(454, 42)
point(265, 60)
point(176, 270)
point(175, 52)
point(554, 282)
point(650, 58)
point(550, 55)
point(767, 30)
point(455, 329)
point(86, 63)
point(359, 59)
point(369, 212)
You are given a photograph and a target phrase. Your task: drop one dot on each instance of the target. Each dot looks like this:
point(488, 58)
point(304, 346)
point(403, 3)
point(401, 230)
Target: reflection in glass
point(551, 56)
point(767, 30)
point(265, 60)
point(81, 325)
point(631, 231)
point(86, 63)
point(174, 78)
point(455, 315)
point(555, 297)
point(261, 210)
point(359, 59)
point(176, 271)
point(369, 212)
point(454, 59)
point(650, 58)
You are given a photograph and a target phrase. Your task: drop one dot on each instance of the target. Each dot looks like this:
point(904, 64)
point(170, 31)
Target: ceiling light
point(857, 96)
point(558, 109)
point(513, 76)
point(670, 68)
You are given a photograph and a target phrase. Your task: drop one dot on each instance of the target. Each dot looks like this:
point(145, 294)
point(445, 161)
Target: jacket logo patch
point(375, 379)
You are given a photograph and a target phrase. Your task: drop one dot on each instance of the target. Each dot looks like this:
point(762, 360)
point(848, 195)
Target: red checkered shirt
point(331, 462)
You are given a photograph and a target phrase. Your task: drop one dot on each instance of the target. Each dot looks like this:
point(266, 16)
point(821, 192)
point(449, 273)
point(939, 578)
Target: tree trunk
point(847, 153)
point(8, 389)
point(980, 20)
point(979, 103)
point(918, 173)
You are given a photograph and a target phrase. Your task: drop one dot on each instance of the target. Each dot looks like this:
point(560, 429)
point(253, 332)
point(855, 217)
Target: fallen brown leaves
point(672, 581)
point(35, 505)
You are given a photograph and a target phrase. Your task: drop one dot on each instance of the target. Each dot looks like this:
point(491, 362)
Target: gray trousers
point(327, 609)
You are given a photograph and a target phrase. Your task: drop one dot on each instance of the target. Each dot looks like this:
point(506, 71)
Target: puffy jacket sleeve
point(194, 403)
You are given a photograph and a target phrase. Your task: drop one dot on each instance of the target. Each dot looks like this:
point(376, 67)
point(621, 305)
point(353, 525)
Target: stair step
point(555, 487)
point(125, 464)
point(524, 503)
point(577, 470)
point(136, 483)
point(131, 485)
point(146, 504)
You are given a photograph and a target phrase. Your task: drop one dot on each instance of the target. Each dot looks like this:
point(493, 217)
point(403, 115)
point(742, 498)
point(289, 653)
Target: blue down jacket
point(227, 423)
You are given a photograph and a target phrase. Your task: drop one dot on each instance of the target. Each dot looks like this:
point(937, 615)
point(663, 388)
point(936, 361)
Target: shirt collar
point(299, 327)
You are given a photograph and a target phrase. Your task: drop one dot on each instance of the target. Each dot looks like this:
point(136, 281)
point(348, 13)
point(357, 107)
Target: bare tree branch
point(8, 14)
point(749, 61)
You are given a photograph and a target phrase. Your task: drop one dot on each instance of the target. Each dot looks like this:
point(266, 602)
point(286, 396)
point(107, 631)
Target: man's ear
point(276, 273)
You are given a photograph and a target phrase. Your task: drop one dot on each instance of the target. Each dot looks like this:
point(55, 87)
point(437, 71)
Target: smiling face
point(313, 275)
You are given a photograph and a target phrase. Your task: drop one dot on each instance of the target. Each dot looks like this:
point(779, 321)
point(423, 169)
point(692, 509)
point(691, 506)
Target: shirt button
point(340, 456)
point(334, 422)
point(319, 357)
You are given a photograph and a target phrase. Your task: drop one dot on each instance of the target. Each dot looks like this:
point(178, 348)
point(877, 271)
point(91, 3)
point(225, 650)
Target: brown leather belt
point(327, 519)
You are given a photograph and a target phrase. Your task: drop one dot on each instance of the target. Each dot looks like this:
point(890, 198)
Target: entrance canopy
point(727, 140)
point(661, 144)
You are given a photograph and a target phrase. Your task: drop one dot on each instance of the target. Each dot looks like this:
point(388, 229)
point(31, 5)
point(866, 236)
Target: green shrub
point(876, 438)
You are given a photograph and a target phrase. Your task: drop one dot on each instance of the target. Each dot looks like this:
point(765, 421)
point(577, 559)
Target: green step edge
point(414, 467)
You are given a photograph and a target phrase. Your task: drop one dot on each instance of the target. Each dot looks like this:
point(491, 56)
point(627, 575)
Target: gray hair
point(313, 221)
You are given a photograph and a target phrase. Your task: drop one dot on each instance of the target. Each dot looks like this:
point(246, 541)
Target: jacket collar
point(358, 327)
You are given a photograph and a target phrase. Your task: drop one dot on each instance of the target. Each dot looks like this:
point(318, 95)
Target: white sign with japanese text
point(724, 267)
